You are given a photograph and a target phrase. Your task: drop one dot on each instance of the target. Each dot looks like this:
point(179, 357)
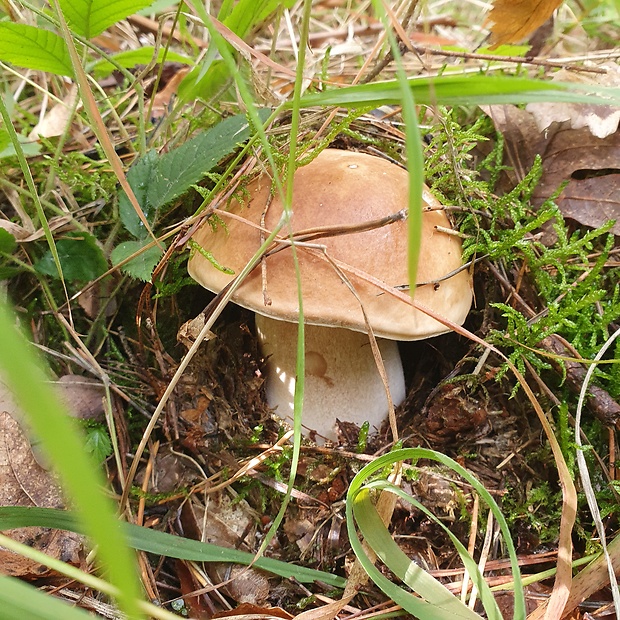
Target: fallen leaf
point(601, 120)
point(83, 397)
point(98, 296)
point(589, 165)
point(512, 21)
point(222, 523)
point(54, 123)
point(23, 482)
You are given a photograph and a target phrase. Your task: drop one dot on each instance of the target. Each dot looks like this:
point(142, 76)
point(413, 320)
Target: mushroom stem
point(342, 379)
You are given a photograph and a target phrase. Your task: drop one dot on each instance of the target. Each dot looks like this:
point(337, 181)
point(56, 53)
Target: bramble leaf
point(91, 17)
point(141, 267)
point(81, 259)
point(34, 48)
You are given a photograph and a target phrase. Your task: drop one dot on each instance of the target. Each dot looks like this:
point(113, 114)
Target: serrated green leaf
point(160, 543)
point(7, 242)
point(157, 180)
point(130, 59)
point(34, 48)
point(140, 175)
point(141, 267)
point(98, 444)
point(89, 18)
point(19, 600)
point(81, 259)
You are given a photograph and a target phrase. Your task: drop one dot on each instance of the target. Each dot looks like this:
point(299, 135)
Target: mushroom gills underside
point(341, 382)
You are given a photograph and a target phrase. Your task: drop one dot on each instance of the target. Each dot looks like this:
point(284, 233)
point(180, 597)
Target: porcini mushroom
point(346, 195)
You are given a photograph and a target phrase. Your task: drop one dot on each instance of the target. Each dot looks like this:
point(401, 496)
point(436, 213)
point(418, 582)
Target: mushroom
point(346, 195)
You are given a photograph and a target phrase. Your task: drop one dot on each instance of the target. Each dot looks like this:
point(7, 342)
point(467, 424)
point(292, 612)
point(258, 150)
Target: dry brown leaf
point(224, 524)
point(23, 482)
point(82, 397)
point(55, 121)
point(601, 120)
point(23, 235)
point(513, 20)
point(588, 163)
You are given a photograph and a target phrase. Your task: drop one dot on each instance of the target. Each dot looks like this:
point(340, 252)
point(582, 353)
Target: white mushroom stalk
point(341, 383)
point(337, 190)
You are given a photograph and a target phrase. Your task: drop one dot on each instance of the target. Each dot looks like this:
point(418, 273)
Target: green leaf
point(141, 267)
point(81, 259)
point(7, 242)
point(19, 600)
point(141, 56)
point(34, 48)
point(8, 150)
point(139, 177)
point(89, 18)
point(211, 77)
point(98, 443)
point(206, 80)
point(160, 543)
point(461, 90)
point(247, 14)
point(157, 180)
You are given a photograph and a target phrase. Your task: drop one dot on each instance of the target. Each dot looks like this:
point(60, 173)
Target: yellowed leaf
point(513, 20)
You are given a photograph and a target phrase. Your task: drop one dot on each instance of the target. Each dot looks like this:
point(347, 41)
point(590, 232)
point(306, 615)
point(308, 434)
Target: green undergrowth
point(563, 272)
point(572, 290)
point(82, 224)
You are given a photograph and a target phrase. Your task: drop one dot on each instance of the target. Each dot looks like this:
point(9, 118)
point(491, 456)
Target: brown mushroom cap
point(339, 188)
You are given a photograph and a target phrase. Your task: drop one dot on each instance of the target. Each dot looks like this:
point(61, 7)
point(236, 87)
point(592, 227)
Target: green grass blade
point(413, 150)
point(369, 471)
point(81, 477)
point(400, 564)
point(160, 543)
point(19, 600)
point(378, 537)
point(462, 90)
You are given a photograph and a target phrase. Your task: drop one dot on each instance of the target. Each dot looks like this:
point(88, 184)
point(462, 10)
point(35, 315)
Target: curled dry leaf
point(54, 122)
point(512, 21)
point(23, 235)
point(23, 482)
